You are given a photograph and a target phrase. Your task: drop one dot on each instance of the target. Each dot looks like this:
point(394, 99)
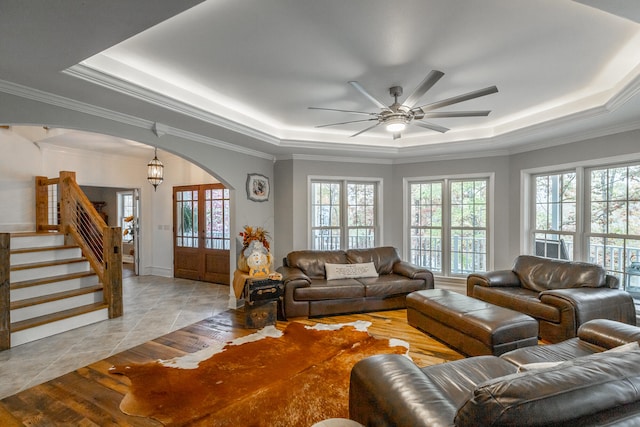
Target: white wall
point(228, 166)
point(95, 172)
point(20, 162)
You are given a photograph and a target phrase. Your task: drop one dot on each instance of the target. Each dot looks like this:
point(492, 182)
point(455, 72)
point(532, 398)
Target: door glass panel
point(217, 219)
point(187, 219)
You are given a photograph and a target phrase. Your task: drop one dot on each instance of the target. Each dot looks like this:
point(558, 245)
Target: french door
point(201, 233)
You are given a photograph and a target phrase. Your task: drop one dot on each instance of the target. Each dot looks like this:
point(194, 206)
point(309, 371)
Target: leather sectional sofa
point(587, 387)
point(308, 292)
point(560, 295)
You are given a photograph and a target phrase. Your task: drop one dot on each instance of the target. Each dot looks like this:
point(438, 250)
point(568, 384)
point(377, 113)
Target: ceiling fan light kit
point(397, 116)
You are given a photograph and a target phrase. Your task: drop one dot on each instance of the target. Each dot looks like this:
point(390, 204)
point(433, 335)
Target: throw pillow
point(350, 271)
point(537, 365)
point(624, 347)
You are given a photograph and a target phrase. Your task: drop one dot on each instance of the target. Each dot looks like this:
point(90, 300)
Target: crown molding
point(339, 159)
point(71, 104)
point(82, 107)
point(108, 81)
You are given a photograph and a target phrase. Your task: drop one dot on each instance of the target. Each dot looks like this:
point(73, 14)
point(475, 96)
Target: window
point(125, 212)
point(449, 235)
point(344, 214)
point(604, 229)
point(613, 234)
point(217, 217)
point(554, 219)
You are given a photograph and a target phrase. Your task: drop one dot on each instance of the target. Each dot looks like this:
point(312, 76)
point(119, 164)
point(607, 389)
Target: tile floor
point(153, 306)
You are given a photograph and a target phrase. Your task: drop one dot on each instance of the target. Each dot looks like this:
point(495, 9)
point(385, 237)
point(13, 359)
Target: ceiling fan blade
point(428, 82)
point(343, 111)
point(365, 130)
point(345, 123)
point(370, 97)
point(459, 98)
point(431, 126)
point(444, 114)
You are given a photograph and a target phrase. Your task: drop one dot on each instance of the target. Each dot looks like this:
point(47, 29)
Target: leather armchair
point(560, 295)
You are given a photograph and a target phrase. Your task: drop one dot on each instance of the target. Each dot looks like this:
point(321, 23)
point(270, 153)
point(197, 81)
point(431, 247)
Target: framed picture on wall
point(257, 187)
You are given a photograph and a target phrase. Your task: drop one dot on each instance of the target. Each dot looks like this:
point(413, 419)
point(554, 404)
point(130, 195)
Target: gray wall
point(507, 170)
point(286, 213)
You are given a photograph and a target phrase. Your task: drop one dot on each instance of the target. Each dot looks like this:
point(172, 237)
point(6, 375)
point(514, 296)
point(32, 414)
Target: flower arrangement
point(128, 231)
point(250, 234)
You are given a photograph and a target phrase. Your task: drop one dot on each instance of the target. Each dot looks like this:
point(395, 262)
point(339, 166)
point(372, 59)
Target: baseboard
point(159, 271)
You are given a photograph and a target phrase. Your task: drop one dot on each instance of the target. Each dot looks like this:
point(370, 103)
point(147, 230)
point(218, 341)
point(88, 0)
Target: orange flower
point(259, 234)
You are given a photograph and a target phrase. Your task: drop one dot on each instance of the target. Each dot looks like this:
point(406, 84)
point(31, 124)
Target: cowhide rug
point(296, 377)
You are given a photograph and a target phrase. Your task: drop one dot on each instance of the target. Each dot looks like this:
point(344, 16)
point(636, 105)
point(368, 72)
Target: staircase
point(52, 288)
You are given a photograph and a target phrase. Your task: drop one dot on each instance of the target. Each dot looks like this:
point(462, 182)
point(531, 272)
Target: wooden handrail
point(82, 225)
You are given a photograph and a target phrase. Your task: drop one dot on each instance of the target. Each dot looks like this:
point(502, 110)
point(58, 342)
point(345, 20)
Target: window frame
point(583, 200)
point(532, 226)
point(446, 181)
point(344, 228)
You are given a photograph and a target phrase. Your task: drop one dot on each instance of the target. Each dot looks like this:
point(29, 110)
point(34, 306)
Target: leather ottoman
point(470, 326)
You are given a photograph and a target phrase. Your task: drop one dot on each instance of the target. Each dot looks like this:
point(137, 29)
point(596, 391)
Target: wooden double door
point(201, 233)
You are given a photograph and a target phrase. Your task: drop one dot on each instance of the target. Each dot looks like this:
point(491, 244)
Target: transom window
point(449, 235)
point(344, 214)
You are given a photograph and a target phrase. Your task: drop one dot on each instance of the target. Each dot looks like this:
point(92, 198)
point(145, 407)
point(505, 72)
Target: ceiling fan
point(397, 116)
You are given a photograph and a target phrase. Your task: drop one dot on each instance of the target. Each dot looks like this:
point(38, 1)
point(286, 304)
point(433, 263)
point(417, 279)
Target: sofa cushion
point(330, 290)
point(383, 257)
point(541, 274)
point(518, 299)
point(312, 262)
point(350, 271)
point(576, 388)
point(558, 352)
point(390, 285)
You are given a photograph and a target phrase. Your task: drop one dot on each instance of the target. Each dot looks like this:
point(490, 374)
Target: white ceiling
point(244, 72)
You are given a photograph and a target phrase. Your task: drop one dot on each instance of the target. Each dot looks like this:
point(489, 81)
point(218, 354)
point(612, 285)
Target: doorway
point(201, 233)
point(128, 220)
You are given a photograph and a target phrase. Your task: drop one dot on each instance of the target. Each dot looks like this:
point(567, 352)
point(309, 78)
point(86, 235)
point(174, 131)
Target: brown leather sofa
point(308, 293)
point(594, 388)
point(560, 295)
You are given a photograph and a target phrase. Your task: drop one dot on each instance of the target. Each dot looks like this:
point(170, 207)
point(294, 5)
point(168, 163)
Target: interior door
point(201, 233)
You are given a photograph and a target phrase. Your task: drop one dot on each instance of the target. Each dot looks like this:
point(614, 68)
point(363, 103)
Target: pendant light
point(155, 171)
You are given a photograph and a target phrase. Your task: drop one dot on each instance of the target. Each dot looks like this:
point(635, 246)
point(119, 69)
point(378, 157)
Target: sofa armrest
point(390, 390)
point(593, 303)
point(412, 271)
point(293, 274)
point(608, 333)
point(503, 278)
point(612, 282)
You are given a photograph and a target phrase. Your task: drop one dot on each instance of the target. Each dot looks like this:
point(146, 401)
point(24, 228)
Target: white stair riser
point(36, 241)
point(52, 270)
point(42, 256)
point(30, 312)
point(54, 287)
point(53, 328)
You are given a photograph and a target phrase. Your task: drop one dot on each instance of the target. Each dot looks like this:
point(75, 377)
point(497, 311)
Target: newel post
point(42, 203)
point(5, 298)
point(113, 270)
point(67, 206)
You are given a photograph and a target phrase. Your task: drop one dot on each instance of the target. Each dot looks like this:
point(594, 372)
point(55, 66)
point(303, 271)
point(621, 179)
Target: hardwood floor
point(90, 396)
